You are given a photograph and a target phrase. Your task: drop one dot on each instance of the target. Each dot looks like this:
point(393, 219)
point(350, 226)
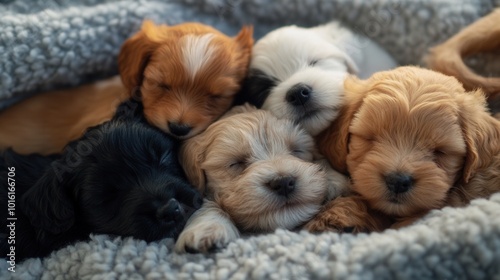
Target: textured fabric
point(46, 44)
point(462, 243)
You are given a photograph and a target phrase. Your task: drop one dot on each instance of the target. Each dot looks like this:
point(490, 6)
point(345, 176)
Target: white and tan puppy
point(257, 174)
point(298, 73)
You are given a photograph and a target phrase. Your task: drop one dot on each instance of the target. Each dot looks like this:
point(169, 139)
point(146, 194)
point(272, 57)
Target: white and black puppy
point(298, 73)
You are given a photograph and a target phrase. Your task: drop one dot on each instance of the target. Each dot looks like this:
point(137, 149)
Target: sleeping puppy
point(186, 76)
point(298, 73)
point(257, 174)
point(412, 140)
point(121, 178)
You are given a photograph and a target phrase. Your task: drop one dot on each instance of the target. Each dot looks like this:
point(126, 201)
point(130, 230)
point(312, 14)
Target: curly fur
point(421, 125)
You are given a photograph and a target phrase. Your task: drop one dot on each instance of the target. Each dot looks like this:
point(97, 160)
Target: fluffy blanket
point(46, 44)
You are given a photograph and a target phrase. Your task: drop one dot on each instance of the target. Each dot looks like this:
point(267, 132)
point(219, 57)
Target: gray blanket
point(46, 44)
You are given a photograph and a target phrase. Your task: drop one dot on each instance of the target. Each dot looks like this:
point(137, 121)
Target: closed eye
point(238, 164)
point(301, 153)
point(313, 62)
point(164, 86)
point(438, 153)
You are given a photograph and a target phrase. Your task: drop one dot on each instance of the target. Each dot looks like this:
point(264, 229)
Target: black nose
point(299, 94)
point(283, 185)
point(179, 129)
point(399, 182)
point(171, 211)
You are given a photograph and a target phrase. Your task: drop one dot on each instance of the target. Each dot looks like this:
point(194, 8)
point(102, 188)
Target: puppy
point(481, 36)
point(121, 178)
point(186, 74)
point(257, 173)
point(298, 73)
point(412, 140)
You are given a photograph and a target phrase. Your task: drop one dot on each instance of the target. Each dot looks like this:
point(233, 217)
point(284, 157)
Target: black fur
point(121, 178)
point(255, 89)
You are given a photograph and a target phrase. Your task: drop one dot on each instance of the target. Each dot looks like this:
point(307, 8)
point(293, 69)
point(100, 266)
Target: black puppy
point(121, 178)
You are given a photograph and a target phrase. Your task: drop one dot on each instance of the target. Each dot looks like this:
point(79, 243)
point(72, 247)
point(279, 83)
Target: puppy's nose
point(399, 182)
point(172, 211)
point(299, 94)
point(283, 185)
point(179, 129)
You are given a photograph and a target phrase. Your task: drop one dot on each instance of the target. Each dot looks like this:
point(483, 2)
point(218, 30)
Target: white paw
point(203, 238)
point(209, 228)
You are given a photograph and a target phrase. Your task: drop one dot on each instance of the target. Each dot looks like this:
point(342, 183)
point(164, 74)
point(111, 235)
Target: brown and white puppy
point(412, 140)
point(257, 174)
point(186, 75)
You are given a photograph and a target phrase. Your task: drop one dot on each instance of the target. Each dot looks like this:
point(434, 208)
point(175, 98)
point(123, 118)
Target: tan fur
point(481, 36)
point(151, 64)
point(46, 122)
point(233, 162)
point(422, 123)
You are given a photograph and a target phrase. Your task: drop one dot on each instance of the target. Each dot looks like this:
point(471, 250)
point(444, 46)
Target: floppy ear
point(47, 203)
point(333, 142)
point(481, 132)
point(191, 156)
point(134, 56)
point(245, 41)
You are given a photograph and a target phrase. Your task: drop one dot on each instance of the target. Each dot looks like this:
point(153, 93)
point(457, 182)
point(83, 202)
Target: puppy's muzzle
point(283, 186)
point(172, 211)
point(299, 94)
point(179, 129)
point(399, 182)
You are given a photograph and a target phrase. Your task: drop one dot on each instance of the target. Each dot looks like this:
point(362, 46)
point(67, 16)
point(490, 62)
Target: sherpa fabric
point(46, 44)
point(461, 243)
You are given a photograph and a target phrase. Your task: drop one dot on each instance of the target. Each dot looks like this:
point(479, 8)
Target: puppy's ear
point(481, 132)
point(333, 142)
point(47, 203)
point(245, 38)
point(134, 55)
point(245, 41)
point(191, 156)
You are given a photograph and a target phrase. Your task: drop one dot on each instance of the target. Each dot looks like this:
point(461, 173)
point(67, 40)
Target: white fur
point(207, 227)
point(197, 52)
point(328, 94)
point(286, 54)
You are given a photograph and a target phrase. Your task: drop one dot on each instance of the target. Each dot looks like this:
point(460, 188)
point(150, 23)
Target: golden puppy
point(186, 75)
point(257, 173)
point(412, 140)
point(481, 36)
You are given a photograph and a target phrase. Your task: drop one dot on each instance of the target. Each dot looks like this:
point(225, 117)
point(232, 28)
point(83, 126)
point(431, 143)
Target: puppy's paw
point(205, 237)
point(346, 214)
